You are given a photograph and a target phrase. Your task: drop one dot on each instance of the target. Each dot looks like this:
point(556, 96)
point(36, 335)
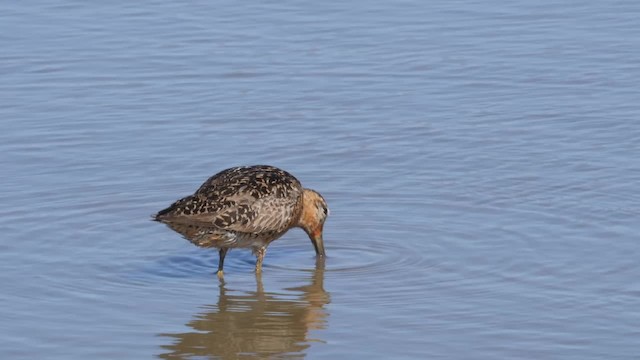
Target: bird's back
point(249, 199)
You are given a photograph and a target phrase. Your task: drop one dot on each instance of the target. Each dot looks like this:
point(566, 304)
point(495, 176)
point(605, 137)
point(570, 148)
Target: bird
point(247, 207)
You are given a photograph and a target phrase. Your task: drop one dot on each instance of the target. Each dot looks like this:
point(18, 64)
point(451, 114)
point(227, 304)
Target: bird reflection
point(254, 323)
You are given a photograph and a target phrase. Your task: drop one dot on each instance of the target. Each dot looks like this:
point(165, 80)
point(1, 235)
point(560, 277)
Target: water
point(480, 161)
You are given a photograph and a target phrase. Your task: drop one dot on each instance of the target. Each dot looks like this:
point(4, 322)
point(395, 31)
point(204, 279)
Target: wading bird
point(247, 207)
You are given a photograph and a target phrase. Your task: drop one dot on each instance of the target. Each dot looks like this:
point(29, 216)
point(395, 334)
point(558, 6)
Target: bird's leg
point(260, 254)
point(223, 253)
point(259, 286)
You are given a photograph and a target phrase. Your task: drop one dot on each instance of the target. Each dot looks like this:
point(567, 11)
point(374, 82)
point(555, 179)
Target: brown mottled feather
point(252, 199)
point(247, 207)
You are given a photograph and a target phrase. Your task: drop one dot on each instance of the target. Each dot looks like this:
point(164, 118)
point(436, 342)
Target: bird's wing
point(266, 214)
point(245, 214)
point(245, 199)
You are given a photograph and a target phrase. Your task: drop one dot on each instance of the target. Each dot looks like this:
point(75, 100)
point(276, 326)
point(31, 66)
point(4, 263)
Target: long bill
point(318, 243)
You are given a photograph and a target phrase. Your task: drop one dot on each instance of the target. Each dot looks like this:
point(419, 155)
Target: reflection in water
point(256, 323)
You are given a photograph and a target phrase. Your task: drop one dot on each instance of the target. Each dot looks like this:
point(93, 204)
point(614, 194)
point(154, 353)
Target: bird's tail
point(170, 212)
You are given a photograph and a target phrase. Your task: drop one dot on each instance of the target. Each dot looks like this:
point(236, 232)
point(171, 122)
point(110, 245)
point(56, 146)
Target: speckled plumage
point(247, 207)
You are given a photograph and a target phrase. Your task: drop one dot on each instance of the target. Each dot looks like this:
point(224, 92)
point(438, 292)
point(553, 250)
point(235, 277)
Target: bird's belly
point(242, 240)
point(228, 239)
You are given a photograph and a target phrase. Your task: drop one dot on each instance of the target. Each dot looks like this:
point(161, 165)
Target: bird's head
point(314, 213)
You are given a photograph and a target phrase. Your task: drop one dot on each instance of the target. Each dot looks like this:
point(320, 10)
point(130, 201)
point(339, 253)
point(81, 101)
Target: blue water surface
point(480, 160)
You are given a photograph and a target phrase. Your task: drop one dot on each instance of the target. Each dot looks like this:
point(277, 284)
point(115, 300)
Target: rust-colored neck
point(308, 219)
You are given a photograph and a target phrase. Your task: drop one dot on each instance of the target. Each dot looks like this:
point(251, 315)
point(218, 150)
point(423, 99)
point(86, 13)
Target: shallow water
point(480, 161)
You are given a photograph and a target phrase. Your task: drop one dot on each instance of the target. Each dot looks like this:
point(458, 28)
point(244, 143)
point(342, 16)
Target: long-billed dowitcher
point(247, 207)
